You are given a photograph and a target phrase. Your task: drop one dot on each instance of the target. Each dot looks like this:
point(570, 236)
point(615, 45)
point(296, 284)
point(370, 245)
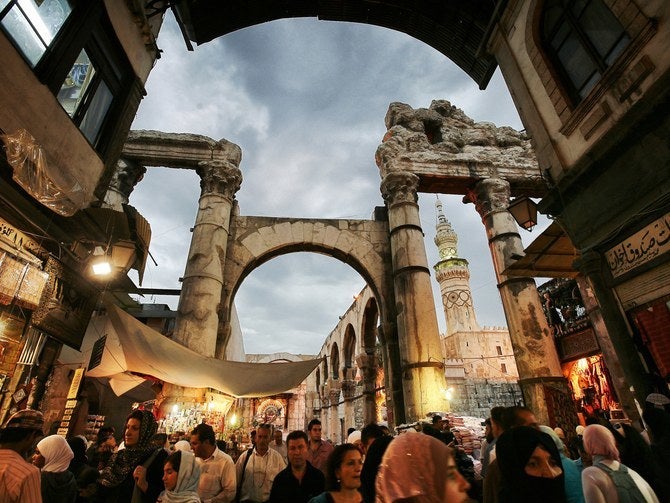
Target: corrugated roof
point(551, 255)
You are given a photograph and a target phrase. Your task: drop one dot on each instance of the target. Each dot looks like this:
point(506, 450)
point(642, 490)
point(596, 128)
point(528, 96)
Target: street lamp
point(100, 263)
point(117, 257)
point(524, 211)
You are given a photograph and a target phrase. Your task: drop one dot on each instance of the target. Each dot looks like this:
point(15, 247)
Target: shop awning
point(551, 255)
point(131, 348)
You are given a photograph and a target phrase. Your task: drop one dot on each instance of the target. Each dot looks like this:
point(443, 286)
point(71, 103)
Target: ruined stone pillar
point(348, 393)
point(422, 368)
point(534, 350)
point(334, 428)
point(197, 315)
point(393, 375)
point(368, 365)
point(127, 174)
point(325, 410)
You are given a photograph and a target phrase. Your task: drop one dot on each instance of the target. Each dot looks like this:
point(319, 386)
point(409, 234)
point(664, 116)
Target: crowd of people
point(519, 461)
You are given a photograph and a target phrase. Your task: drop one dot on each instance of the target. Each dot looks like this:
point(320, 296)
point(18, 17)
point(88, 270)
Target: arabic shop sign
point(19, 241)
point(640, 248)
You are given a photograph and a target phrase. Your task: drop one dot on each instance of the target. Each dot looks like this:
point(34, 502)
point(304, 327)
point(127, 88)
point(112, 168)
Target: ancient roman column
point(348, 393)
point(197, 317)
point(334, 429)
point(422, 368)
point(325, 413)
point(534, 349)
point(368, 366)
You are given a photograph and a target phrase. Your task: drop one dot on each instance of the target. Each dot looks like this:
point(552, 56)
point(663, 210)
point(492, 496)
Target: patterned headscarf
point(186, 489)
point(123, 462)
point(414, 465)
point(56, 452)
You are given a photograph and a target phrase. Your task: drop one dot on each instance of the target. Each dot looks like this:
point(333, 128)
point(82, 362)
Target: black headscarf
point(124, 461)
point(513, 450)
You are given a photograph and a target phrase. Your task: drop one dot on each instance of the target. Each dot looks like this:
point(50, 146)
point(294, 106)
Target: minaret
point(453, 275)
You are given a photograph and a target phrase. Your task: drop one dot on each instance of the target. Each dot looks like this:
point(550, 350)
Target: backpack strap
point(241, 481)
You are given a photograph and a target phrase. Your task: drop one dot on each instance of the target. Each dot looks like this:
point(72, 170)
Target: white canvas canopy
point(131, 346)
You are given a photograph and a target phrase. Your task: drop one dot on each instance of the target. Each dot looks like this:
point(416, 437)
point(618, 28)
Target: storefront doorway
point(592, 389)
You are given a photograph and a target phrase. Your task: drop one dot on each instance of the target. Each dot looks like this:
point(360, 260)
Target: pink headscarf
point(414, 465)
point(598, 440)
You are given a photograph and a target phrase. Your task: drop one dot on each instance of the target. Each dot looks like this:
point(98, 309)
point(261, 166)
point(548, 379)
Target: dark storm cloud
point(305, 100)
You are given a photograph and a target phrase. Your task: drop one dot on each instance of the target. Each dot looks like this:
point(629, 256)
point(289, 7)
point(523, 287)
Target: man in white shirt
point(256, 474)
point(218, 482)
point(278, 444)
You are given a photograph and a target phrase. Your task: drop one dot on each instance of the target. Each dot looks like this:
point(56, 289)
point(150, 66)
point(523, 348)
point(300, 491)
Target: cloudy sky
point(305, 100)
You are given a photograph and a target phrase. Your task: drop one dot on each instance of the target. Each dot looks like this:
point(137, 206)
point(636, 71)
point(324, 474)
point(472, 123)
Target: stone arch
point(369, 325)
point(279, 358)
point(335, 361)
point(456, 29)
point(349, 347)
point(362, 244)
point(324, 372)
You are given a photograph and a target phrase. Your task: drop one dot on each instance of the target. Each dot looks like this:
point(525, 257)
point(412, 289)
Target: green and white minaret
point(453, 275)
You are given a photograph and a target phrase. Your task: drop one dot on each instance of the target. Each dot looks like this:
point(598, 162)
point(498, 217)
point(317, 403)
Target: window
point(33, 24)
point(73, 50)
point(583, 39)
point(503, 368)
point(499, 350)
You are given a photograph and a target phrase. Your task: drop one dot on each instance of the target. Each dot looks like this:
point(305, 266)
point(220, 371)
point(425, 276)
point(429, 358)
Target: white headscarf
point(354, 437)
point(183, 445)
point(56, 452)
point(186, 490)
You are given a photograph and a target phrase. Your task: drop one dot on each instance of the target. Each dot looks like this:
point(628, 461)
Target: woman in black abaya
point(531, 467)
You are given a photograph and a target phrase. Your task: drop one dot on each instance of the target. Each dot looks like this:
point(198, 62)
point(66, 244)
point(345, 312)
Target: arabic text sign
point(643, 246)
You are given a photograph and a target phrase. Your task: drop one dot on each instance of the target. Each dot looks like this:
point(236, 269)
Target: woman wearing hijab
point(53, 456)
point(183, 445)
point(135, 473)
point(608, 477)
point(418, 468)
point(181, 475)
point(572, 475)
point(531, 467)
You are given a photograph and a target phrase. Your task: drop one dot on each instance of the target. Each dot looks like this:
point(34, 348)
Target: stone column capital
point(219, 177)
point(489, 195)
point(400, 187)
point(127, 174)
point(365, 361)
point(334, 395)
point(348, 388)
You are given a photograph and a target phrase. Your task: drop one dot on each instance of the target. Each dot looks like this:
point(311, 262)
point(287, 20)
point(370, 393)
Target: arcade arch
point(335, 362)
point(362, 244)
point(353, 399)
point(348, 348)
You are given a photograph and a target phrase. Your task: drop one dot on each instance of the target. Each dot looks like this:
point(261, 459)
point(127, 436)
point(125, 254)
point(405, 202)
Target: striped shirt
point(19, 480)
